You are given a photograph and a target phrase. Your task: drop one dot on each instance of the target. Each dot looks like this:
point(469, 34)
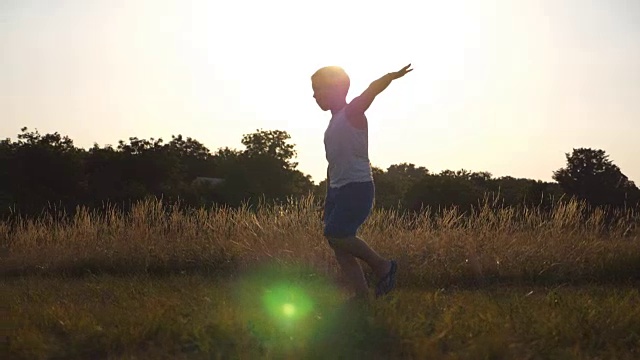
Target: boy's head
point(330, 86)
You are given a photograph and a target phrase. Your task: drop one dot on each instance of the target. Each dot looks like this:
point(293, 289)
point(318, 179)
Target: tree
point(272, 143)
point(7, 152)
point(543, 195)
point(195, 158)
point(262, 171)
point(392, 185)
point(44, 170)
point(252, 178)
point(591, 176)
point(443, 191)
point(407, 171)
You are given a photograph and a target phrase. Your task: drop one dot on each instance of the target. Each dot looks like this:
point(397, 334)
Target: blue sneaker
point(387, 283)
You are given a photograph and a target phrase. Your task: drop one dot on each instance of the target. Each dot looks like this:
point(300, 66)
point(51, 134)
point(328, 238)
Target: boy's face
point(321, 94)
point(325, 95)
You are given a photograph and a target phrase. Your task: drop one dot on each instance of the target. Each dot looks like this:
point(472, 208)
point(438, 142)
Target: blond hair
point(333, 76)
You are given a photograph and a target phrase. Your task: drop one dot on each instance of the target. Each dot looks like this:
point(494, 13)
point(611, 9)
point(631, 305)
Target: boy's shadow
point(350, 331)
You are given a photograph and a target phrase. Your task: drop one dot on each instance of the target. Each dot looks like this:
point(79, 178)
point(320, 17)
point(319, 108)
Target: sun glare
point(288, 310)
point(288, 48)
point(263, 62)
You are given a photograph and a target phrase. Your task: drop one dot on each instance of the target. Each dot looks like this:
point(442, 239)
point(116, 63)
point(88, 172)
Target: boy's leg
point(352, 270)
point(350, 206)
point(356, 247)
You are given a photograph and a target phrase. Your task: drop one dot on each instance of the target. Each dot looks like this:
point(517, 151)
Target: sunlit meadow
point(165, 282)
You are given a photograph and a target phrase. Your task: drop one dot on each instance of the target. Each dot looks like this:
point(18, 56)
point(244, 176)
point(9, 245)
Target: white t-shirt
point(347, 151)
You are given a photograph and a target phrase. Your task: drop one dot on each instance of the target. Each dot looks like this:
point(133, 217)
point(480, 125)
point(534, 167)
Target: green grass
point(162, 283)
point(198, 317)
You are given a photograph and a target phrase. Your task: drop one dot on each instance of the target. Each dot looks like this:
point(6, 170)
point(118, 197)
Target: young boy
point(350, 188)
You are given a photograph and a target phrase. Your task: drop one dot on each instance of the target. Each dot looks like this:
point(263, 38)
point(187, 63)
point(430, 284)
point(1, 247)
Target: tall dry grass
point(508, 244)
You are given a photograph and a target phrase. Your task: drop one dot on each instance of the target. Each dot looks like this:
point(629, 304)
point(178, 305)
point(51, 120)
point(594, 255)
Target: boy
point(350, 188)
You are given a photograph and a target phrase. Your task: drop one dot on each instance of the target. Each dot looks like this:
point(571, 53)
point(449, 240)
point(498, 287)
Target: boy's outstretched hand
point(402, 72)
point(360, 104)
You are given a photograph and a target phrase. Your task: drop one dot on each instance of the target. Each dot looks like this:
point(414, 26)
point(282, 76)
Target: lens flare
point(287, 302)
point(288, 310)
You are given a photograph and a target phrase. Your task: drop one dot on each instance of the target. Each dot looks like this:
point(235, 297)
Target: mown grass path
point(202, 317)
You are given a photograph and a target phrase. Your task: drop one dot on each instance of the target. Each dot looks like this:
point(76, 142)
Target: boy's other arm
point(360, 104)
point(328, 180)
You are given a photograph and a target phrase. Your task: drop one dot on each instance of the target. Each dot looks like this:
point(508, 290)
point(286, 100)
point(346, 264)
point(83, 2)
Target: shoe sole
point(390, 278)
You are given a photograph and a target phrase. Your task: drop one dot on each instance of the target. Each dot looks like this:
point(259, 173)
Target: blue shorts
point(346, 208)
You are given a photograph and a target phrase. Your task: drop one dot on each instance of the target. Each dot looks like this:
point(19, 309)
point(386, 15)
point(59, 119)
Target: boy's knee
point(337, 242)
point(331, 240)
point(330, 235)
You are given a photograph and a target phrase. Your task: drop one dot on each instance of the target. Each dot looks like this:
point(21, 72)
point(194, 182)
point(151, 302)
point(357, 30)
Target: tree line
point(44, 172)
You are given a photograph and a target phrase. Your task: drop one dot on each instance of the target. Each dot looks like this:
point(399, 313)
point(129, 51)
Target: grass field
point(163, 283)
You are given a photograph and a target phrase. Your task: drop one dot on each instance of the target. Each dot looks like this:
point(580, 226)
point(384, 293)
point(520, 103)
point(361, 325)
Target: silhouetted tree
point(38, 171)
point(41, 170)
point(391, 185)
point(591, 176)
point(443, 191)
point(542, 194)
point(195, 158)
point(264, 170)
point(107, 179)
point(151, 168)
point(7, 198)
point(44, 171)
point(507, 190)
point(272, 143)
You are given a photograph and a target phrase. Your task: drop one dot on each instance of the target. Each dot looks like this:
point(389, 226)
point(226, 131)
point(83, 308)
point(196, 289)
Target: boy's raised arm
point(361, 103)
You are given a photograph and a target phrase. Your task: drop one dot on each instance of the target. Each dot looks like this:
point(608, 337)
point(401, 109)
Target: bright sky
point(501, 86)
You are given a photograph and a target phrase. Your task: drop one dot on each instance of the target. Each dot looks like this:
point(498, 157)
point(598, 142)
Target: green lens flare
point(287, 302)
point(288, 310)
